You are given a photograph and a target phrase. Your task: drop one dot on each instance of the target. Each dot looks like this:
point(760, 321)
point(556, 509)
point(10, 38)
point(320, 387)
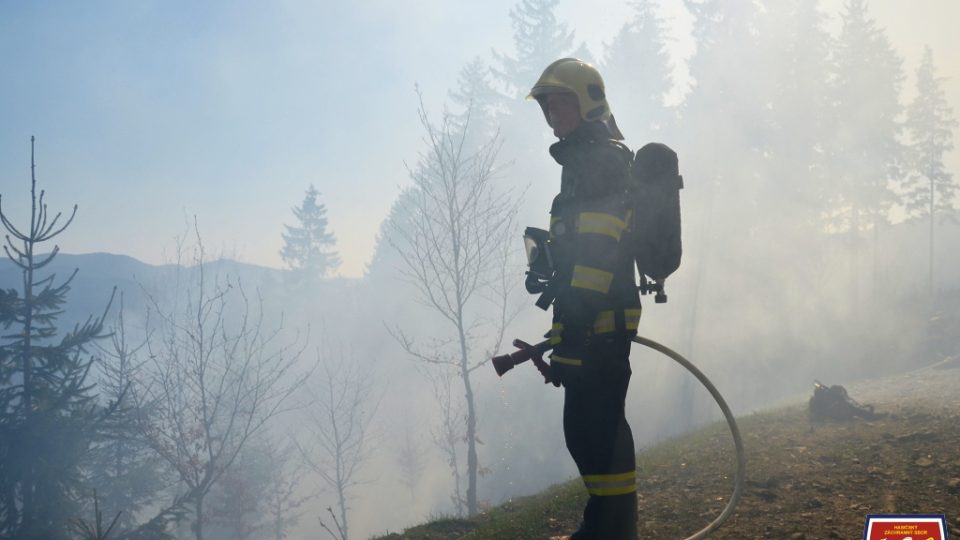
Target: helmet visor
point(542, 90)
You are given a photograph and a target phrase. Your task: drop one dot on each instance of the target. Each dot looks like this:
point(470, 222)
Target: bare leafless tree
point(454, 240)
point(126, 472)
point(410, 461)
point(448, 434)
point(259, 496)
point(338, 440)
point(215, 379)
point(282, 497)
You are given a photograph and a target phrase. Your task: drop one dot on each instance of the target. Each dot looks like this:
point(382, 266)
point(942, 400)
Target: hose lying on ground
point(734, 430)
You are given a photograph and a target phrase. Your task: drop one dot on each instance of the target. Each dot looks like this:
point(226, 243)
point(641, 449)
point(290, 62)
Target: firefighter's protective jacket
point(594, 281)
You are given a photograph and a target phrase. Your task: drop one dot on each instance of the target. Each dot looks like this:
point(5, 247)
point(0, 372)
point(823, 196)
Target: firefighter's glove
point(537, 358)
point(535, 284)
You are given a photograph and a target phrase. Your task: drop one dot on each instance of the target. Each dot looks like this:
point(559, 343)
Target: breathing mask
point(536, 243)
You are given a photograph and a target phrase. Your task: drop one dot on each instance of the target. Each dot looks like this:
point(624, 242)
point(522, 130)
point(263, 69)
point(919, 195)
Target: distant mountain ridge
point(112, 264)
point(98, 273)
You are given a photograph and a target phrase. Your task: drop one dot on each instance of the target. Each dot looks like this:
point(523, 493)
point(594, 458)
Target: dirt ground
point(805, 480)
point(811, 480)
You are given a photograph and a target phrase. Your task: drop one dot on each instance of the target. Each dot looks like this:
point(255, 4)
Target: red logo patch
point(905, 527)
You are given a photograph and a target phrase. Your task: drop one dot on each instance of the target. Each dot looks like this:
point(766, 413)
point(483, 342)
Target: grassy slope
point(557, 509)
point(804, 481)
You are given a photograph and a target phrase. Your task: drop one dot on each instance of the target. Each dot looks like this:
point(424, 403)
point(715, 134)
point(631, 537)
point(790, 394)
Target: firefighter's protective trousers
point(600, 441)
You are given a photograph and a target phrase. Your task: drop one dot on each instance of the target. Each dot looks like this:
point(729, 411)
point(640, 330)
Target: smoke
point(777, 287)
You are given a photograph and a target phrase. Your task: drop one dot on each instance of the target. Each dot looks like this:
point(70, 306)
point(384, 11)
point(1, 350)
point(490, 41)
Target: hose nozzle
point(505, 362)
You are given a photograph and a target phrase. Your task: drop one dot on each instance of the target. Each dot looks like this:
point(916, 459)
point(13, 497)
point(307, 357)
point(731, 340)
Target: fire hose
point(505, 363)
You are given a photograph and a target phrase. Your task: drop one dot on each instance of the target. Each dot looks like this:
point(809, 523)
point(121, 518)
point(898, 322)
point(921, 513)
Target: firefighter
point(597, 306)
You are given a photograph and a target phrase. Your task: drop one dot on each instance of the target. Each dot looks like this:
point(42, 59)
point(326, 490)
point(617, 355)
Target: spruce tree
point(722, 128)
point(865, 150)
point(476, 96)
point(307, 248)
point(929, 188)
point(637, 72)
point(385, 260)
point(48, 413)
point(721, 113)
point(795, 56)
point(539, 39)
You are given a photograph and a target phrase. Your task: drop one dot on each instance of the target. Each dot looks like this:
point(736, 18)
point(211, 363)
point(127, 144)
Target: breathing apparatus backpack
point(653, 230)
point(654, 227)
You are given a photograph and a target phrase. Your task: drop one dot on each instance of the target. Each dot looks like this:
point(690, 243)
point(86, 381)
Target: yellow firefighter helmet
point(584, 81)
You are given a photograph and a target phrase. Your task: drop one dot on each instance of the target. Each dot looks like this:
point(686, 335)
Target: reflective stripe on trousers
point(610, 484)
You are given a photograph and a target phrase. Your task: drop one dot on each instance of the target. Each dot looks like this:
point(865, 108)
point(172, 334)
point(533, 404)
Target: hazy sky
point(148, 112)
